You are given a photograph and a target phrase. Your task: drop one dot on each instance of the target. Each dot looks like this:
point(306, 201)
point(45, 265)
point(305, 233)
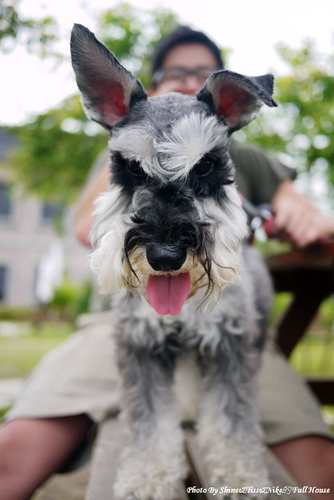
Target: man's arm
point(263, 179)
point(84, 214)
point(297, 219)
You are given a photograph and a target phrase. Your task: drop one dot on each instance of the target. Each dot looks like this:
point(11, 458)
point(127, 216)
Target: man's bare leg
point(310, 460)
point(31, 450)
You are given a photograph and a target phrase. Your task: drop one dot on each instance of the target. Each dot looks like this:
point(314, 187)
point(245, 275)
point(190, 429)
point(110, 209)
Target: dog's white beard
point(114, 273)
point(230, 230)
point(107, 238)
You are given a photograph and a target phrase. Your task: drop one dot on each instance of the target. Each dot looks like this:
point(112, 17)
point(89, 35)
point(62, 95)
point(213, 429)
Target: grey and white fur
point(171, 232)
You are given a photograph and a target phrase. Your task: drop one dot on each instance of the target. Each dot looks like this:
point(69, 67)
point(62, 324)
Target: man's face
point(191, 57)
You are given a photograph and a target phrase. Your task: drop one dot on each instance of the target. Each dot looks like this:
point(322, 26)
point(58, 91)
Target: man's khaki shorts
point(81, 376)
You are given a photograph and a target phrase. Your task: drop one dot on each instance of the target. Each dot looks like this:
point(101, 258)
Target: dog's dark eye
point(204, 167)
point(210, 174)
point(134, 168)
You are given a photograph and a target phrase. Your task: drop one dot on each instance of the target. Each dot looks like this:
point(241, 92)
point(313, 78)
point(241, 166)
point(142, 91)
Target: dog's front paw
point(237, 470)
point(144, 477)
point(142, 487)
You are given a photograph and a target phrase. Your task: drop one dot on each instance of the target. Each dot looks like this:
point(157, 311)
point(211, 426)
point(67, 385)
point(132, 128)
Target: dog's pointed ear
point(108, 90)
point(237, 98)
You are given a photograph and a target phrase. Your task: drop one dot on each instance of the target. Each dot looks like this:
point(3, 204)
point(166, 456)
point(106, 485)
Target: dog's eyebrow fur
point(189, 140)
point(169, 153)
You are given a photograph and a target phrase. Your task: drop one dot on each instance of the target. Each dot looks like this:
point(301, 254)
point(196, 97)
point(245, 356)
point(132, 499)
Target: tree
point(300, 130)
point(132, 33)
point(36, 35)
point(59, 147)
point(57, 151)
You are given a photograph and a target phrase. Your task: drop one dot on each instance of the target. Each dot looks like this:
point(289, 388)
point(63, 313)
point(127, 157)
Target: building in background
point(29, 243)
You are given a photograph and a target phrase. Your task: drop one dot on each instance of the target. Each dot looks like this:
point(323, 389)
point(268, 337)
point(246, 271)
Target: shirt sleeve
point(258, 174)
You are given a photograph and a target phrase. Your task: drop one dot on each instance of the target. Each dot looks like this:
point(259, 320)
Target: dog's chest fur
point(236, 315)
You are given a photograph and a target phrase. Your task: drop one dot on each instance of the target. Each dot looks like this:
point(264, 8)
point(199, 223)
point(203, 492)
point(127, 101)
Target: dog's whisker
point(131, 287)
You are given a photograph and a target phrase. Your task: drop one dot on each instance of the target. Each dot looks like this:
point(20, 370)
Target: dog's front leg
point(229, 434)
point(153, 463)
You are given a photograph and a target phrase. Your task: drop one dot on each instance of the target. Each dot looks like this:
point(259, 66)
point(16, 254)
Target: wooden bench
point(309, 275)
point(279, 477)
point(106, 459)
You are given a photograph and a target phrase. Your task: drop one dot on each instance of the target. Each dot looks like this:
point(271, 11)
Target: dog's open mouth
point(168, 293)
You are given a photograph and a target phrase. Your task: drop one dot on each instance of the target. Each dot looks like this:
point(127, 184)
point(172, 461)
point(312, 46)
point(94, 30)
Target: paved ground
point(65, 486)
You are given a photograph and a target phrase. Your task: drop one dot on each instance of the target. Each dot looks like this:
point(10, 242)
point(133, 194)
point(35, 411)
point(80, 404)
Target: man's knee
point(310, 460)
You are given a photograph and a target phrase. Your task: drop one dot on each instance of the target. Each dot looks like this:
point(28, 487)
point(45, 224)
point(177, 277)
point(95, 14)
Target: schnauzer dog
point(171, 233)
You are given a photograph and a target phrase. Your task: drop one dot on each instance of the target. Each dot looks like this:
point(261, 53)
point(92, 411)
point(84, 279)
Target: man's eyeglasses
point(180, 74)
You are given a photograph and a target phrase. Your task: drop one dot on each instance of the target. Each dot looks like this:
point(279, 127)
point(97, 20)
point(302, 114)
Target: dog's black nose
point(165, 258)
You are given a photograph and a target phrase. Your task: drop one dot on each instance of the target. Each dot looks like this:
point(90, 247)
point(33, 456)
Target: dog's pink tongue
point(167, 294)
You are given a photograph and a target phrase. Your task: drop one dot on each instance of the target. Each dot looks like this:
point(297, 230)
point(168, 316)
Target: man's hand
point(297, 220)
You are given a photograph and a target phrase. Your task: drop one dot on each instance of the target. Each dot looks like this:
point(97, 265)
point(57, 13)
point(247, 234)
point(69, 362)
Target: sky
point(251, 28)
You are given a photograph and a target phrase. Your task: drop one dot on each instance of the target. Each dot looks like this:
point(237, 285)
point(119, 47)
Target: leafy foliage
point(59, 147)
point(71, 300)
point(36, 35)
point(132, 33)
point(300, 131)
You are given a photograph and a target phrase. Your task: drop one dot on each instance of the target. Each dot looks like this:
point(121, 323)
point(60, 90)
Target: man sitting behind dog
point(76, 385)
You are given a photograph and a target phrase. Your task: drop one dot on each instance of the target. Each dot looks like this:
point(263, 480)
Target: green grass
point(19, 355)
point(314, 356)
point(3, 412)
